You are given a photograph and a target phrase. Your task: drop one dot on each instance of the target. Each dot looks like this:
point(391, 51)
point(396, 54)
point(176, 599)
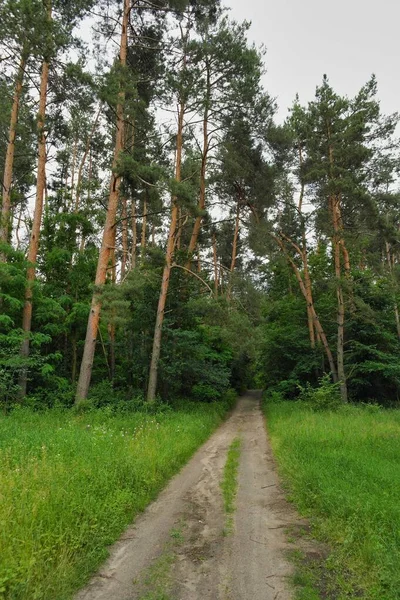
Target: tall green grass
point(229, 483)
point(70, 484)
point(343, 472)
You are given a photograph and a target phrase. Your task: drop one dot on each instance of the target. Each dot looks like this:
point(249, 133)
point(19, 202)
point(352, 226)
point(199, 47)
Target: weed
point(229, 483)
point(157, 579)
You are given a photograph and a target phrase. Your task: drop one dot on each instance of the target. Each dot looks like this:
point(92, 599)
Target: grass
point(343, 473)
point(229, 483)
point(70, 484)
point(158, 577)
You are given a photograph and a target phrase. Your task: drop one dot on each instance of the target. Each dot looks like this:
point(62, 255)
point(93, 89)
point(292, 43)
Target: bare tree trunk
point(235, 238)
point(111, 324)
point(390, 263)
point(124, 227)
point(336, 243)
point(307, 281)
point(134, 235)
point(203, 171)
point(83, 161)
point(234, 251)
point(37, 219)
point(73, 168)
point(144, 226)
point(304, 257)
point(397, 317)
point(215, 259)
point(5, 223)
point(108, 241)
point(153, 235)
point(155, 357)
point(18, 226)
point(198, 260)
point(310, 302)
point(179, 230)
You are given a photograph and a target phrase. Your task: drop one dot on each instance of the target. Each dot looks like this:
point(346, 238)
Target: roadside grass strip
point(158, 577)
point(71, 483)
point(229, 483)
point(342, 470)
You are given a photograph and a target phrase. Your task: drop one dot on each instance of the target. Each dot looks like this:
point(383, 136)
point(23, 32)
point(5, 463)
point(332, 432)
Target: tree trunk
point(134, 235)
point(390, 263)
point(37, 219)
point(235, 238)
point(144, 226)
point(336, 244)
point(83, 161)
point(304, 257)
point(124, 227)
point(203, 171)
point(198, 260)
point(215, 259)
point(339, 247)
point(108, 241)
point(307, 281)
point(18, 226)
point(155, 357)
point(5, 224)
point(73, 168)
point(111, 325)
point(310, 303)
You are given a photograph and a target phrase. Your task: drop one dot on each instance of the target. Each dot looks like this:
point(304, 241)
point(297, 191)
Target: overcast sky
point(346, 39)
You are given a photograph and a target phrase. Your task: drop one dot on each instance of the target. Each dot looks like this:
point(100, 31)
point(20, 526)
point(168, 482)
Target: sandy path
point(248, 564)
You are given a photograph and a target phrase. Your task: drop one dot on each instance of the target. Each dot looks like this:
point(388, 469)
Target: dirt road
point(178, 549)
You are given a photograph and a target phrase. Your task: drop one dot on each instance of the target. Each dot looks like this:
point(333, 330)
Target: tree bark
point(307, 282)
point(37, 219)
point(203, 171)
point(198, 260)
point(304, 257)
point(108, 241)
point(134, 235)
point(336, 244)
point(155, 357)
point(83, 161)
point(235, 237)
point(5, 224)
point(144, 226)
point(390, 263)
point(215, 259)
point(310, 303)
point(339, 247)
point(124, 227)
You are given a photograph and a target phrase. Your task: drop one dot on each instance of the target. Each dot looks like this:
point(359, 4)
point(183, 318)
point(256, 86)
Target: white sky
point(346, 39)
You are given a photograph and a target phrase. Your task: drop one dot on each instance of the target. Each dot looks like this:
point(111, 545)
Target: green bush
point(325, 397)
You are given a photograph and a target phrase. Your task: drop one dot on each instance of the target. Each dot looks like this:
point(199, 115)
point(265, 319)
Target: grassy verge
point(70, 484)
point(158, 578)
point(343, 473)
point(229, 483)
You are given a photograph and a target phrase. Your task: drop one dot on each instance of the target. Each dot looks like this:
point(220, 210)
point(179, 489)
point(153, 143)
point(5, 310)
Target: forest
point(163, 237)
point(166, 243)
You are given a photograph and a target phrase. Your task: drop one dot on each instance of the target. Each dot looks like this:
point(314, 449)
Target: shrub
point(325, 397)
